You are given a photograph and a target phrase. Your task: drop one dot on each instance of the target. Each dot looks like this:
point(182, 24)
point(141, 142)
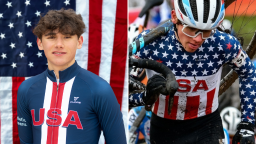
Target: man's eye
point(51, 37)
point(67, 37)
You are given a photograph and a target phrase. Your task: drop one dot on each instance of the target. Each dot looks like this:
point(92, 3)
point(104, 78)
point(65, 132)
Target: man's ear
point(39, 44)
point(80, 42)
point(174, 17)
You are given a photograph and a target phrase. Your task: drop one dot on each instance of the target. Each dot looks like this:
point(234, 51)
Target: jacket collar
point(64, 75)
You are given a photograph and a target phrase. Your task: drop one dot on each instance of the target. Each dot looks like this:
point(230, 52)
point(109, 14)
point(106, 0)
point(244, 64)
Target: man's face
point(59, 49)
point(190, 44)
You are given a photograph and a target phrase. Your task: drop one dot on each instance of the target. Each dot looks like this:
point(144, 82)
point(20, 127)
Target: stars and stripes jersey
point(73, 110)
point(198, 75)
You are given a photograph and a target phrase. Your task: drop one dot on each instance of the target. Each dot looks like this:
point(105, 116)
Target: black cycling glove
point(155, 86)
point(244, 134)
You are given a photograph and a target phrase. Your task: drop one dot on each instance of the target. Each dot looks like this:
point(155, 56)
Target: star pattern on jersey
point(217, 50)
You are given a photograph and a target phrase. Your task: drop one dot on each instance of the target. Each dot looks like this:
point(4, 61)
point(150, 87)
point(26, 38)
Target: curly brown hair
point(65, 21)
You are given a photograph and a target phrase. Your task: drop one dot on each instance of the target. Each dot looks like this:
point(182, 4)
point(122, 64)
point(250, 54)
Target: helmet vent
point(206, 10)
point(217, 10)
point(194, 9)
point(182, 7)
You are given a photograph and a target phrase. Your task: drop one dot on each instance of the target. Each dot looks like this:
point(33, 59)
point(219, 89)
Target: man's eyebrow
point(50, 33)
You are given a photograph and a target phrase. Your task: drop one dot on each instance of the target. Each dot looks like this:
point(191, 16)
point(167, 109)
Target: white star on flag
point(18, 13)
point(138, 54)
point(220, 62)
point(194, 57)
point(12, 45)
point(170, 47)
point(2, 36)
point(248, 85)
point(246, 99)
point(39, 54)
point(3, 55)
point(184, 56)
point(161, 45)
point(242, 92)
point(11, 25)
point(252, 93)
point(174, 56)
point(189, 65)
point(174, 71)
point(143, 33)
point(205, 72)
point(179, 64)
point(220, 47)
point(155, 52)
point(165, 54)
point(194, 72)
point(31, 64)
point(21, 54)
point(169, 63)
point(212, 38)
point(200, 65)
point(27, 2)
point(222, 37)
point(9, 4)
point(145, 52)
point(215, 56)
point(67, 2)
point(210, 64)
point(20, 34)
point(201, 48)
point(214, 70)
point(210, 48)
point(47, 3)
point(184, 72)
point(13, 65)
point(244, 112)
point(37, 13)
point(28, 23)
point(250, 106)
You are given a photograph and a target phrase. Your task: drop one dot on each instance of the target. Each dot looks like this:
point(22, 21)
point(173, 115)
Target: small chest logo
point(75, 100)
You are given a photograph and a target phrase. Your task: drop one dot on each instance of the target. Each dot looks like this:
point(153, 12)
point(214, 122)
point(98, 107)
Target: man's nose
point(59, 43)
point(198, 38)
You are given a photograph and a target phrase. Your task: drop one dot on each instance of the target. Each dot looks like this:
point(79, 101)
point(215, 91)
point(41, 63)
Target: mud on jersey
point(73, 111)
point(198, 75)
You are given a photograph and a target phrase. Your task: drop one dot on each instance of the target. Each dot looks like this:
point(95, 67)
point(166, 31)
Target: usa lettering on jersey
point(55, 118)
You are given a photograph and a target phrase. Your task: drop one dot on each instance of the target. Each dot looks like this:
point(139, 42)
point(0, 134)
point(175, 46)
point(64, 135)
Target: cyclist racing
point(196, 51)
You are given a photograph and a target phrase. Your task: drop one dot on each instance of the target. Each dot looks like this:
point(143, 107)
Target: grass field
point(244, 26)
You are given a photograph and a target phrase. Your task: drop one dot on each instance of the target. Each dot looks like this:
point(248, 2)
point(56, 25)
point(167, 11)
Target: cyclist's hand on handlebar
point(244, 134)
point(155, 85)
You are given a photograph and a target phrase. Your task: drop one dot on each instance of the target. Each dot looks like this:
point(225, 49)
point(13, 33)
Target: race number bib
point(239, 59)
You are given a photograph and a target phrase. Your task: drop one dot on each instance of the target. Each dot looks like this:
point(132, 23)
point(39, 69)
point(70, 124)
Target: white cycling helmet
point(200, 14)
point(133, 32)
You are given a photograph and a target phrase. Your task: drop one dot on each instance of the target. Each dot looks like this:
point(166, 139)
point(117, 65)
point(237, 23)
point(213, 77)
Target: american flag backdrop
point(104, 50)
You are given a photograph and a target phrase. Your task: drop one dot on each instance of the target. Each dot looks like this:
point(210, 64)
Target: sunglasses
point(193, 32)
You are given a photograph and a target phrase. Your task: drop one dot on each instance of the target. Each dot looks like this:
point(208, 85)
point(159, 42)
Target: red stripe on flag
point(119, 51)
point(94, 38)
point(192, 107)
point(56, 100)
point(16, 81)
point(210, 96)
point(174, 108)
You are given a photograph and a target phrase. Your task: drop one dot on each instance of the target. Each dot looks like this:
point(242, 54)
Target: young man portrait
point(66, 103)
point(196, 51)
